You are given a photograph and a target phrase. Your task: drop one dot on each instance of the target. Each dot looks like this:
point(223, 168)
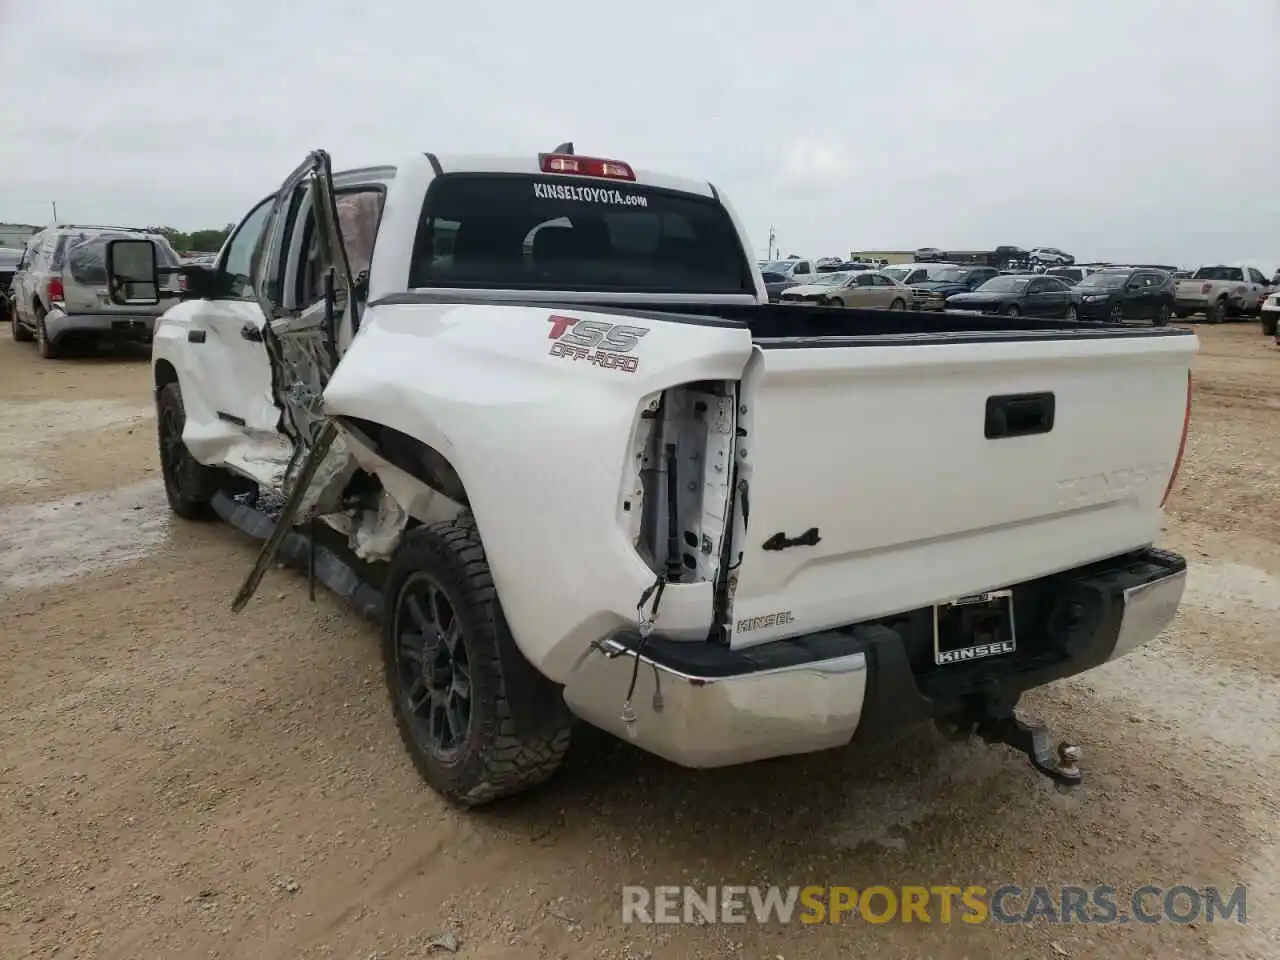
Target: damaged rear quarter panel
point(541, 443)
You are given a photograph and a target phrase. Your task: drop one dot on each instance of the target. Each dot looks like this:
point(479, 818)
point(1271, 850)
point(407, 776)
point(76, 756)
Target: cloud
point(811, 162)
point(1108, 129)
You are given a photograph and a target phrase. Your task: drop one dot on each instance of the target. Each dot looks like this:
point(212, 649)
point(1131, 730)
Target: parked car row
point(1120, 294)
point(862, 288)
point(1103, 293)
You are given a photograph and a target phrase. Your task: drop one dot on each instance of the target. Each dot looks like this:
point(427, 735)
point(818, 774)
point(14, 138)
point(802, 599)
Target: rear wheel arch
point(418, 459)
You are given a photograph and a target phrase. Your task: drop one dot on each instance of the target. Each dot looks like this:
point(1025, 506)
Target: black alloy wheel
point(173, 452)
point(434, 667)
point(188, 484)
point(449, 660)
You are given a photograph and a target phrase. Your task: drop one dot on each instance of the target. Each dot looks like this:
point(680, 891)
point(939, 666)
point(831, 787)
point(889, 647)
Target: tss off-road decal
point(602, 344)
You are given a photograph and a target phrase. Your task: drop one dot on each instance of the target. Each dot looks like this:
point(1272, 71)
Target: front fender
point(206, 437)
point(542, 444)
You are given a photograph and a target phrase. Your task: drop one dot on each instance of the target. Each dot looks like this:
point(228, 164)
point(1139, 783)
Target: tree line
point(202, 241)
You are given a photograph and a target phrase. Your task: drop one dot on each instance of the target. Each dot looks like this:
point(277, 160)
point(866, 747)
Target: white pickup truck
point(535, 414)
point(1220, 292)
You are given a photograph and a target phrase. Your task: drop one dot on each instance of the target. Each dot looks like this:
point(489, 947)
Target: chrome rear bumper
point(718, 721)
point(707, 719)
point(1148, 610)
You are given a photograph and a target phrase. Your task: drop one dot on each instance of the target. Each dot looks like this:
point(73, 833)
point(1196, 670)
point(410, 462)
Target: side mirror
point(133, 276)
point(199, 281)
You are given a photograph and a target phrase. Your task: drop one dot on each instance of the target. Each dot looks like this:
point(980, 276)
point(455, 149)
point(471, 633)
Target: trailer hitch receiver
point(995, 721)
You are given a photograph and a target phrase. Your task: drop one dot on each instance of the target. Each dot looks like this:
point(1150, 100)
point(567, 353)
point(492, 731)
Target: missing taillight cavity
point(586, 166)
point(684, 456)
point(1182, 445)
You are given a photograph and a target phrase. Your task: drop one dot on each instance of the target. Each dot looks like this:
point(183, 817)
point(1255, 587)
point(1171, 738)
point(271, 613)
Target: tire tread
point(505, 762)
point(198, 483)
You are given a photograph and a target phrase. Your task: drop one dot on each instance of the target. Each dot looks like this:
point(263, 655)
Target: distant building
point(15, 234)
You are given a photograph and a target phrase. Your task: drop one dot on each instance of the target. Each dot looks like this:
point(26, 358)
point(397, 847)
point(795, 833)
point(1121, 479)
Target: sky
point(1138, 130)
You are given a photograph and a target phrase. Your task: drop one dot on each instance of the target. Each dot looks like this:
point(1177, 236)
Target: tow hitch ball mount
point(998, 724)
point(1033, 740)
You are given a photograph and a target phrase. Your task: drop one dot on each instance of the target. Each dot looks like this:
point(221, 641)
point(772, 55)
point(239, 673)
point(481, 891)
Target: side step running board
point(319, 448)
point(296, 551)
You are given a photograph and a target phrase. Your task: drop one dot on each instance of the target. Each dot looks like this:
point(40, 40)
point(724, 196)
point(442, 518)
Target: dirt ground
point(177, 781)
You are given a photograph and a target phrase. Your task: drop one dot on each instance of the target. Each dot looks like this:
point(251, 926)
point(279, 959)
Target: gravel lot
point(177, 781)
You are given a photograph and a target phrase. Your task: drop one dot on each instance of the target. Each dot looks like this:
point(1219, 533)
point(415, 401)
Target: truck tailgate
point(933, 470)
point(1192, 289)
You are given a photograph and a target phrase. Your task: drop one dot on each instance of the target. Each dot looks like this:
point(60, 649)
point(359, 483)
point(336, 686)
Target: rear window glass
point(548, 233)
point(87, 259)
point(59, 257)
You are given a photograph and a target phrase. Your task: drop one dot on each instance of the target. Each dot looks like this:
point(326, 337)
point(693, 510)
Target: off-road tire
point(20, 333)
point(495, 760)
point(44, 345)
point(1269, 323)
point(188, 484)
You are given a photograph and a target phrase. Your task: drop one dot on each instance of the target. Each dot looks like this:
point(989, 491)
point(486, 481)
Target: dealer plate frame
point(1000, 603)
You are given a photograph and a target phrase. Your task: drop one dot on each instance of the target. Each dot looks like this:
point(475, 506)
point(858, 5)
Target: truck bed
point(891, 459)
point(778, 321)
